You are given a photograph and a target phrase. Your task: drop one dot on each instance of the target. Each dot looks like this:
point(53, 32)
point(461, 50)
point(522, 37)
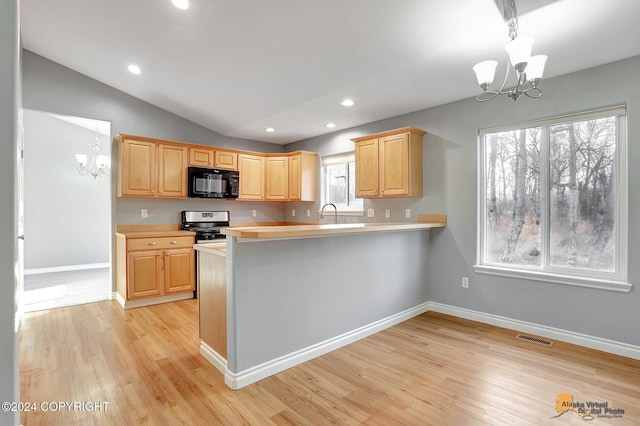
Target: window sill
point(601, 284)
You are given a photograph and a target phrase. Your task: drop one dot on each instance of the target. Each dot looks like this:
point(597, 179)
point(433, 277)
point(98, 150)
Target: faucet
point(335, 220)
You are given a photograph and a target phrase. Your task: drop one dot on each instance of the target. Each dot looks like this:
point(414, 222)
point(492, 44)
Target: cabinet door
point(277, 178)
point(201, 157)
point(251, 169)
point(295, 169)
point(144, 274)
point(172, 171)
point(137, 176)
point(179, 270)
point(367, 168)
point(226, 160)
point(394, 165)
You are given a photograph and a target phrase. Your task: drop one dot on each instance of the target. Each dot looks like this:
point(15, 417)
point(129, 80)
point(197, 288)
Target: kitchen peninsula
point(292, 293)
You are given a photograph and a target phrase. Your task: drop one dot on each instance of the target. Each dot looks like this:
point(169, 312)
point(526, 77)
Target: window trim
point(614, 281)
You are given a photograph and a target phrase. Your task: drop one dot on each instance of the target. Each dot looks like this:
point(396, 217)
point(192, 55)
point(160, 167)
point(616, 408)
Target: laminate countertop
point(297, 231)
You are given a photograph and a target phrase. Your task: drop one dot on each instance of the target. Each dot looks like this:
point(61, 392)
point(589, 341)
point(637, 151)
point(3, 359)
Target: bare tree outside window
point(550, 196)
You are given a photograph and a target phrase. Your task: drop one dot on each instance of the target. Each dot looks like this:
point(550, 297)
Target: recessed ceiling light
point(134, 69)
point(331, 125)
point(270, 129)
point(181, 4)
point(347, 103)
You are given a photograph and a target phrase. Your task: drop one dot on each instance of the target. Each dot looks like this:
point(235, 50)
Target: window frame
point(615, 281)
point(335, 159)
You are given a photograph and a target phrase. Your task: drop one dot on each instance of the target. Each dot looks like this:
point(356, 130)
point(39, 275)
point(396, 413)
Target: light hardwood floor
point(430, 370)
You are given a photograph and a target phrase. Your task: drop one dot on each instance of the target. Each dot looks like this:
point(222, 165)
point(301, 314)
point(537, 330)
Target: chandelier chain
point(513, 21)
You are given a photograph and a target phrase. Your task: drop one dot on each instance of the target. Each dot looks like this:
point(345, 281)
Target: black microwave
point(213, 183)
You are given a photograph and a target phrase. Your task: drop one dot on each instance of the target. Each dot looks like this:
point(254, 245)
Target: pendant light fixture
point(528, 69)
point(100, 164)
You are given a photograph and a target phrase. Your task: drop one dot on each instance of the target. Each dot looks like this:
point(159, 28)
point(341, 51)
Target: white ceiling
point(239, 66)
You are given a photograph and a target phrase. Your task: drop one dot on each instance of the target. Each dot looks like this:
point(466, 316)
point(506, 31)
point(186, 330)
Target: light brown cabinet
point(303, 172)
point(215, 158)
point(252, 172)
point(226, 160)
point(201, 157)
point(277, 178)
point(389, 164)
point(154, 266)
point(150, 169)
point(172, 171)
point(157, 168)
point(137, 162)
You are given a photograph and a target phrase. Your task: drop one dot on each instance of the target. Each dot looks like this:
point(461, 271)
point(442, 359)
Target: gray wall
point(9, 133)
point(67, 216)
point(450, 156)
point(301, 292)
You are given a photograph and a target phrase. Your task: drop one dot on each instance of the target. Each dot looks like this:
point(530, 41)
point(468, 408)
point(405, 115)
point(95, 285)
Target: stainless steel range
point(206, 224)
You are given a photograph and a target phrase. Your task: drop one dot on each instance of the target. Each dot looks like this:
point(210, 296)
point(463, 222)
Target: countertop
point(215, 248)
point(296, 231)
point(155, 233)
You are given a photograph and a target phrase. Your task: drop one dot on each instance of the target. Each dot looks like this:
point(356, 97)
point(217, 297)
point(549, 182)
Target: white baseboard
point(33, 271)
point(259, 372)
point(585, 340)
point(127, 304)
point(213, 357)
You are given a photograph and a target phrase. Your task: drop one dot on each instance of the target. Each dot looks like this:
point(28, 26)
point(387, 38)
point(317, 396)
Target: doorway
point(67, 214)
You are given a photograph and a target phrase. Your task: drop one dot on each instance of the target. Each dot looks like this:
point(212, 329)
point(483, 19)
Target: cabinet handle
point(152, 243)
point(174, 242)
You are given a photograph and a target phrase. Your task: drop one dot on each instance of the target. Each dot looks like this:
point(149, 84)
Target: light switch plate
point(293, 212)
point(308, 213)
point(370, 213)
point(144, 213)
point(387, 213)
point(254, 213)
point(407, 213)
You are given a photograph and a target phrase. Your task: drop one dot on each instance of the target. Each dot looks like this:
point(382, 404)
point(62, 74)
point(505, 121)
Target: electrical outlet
point(387, 213)
point(144, 213)
point(370, 213)
point(308, 213)
point(254, 213)
point(465, 282)
point(407, 213)
point(293, 212)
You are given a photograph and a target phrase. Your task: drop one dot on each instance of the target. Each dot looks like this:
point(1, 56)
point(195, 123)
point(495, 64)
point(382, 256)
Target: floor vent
point(538, 340)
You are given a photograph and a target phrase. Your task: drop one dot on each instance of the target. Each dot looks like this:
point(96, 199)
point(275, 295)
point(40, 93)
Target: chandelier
point(99, 165)
point(529, 69)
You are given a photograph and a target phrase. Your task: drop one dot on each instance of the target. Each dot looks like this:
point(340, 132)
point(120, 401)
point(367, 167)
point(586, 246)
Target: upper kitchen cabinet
point(276, 178)
point(137, 161)
point(201, 157)
point(226, 160)
point(172, 171)
point(252, 174)
point(303, 173)
point(389, 164)
point(148, 168)
point(215, 158)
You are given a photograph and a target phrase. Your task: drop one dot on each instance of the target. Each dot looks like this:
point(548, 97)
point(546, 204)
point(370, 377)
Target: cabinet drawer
point(159, 243)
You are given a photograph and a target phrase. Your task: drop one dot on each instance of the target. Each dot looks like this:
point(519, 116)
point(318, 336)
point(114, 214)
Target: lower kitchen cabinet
point(154, 269)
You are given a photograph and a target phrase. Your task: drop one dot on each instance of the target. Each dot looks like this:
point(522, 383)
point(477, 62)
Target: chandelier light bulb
point(485, 72)
point(535, 68)
point(519, 51)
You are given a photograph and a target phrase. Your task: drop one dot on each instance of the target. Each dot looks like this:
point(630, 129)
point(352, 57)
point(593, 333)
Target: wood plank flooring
point(430, 370)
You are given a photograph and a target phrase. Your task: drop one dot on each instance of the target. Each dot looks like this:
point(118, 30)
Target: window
point(553, 200)
point(339, 183)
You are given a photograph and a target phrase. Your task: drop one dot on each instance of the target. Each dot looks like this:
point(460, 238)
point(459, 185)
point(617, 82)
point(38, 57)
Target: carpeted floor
point(58, 289)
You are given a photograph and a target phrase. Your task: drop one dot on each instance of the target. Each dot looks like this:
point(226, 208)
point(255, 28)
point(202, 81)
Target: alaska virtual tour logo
point(588, 410)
